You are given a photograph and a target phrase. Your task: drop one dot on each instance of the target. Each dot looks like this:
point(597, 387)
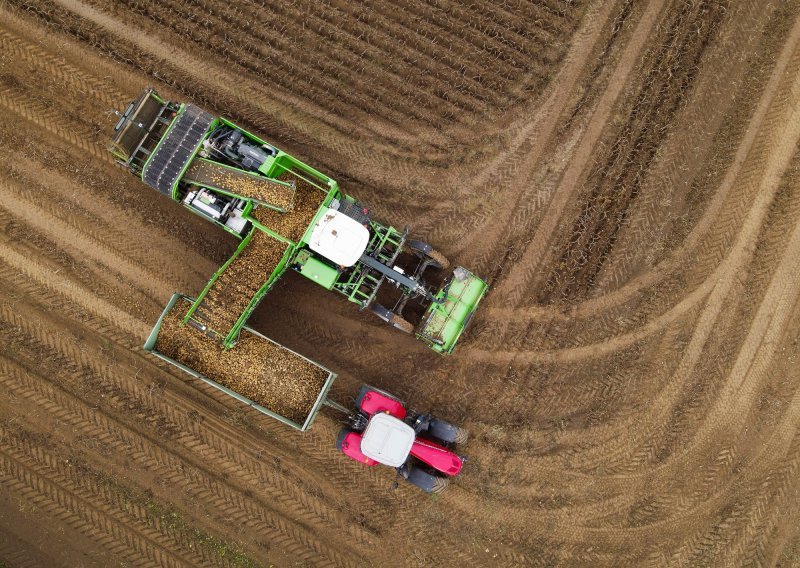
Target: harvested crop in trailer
point(258, 369)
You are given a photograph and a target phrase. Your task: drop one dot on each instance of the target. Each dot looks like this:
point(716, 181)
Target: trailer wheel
point(438, 258)
point(402, 324)
point(447, 432)
point(427, 482)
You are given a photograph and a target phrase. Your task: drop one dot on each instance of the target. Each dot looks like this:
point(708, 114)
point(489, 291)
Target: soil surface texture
point(626, 175)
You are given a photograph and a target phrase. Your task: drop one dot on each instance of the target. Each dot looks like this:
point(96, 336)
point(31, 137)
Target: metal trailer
point(320, 401)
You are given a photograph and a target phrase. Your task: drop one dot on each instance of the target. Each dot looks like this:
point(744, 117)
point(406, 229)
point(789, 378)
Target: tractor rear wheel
point(426, 481)
point(438, 258)
point(402, 324)
point(447, 432)
point(340, 438)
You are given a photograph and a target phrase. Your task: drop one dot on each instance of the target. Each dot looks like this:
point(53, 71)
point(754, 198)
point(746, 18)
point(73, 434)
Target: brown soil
point(294, 223)
point(625, 173)
point(258, 369)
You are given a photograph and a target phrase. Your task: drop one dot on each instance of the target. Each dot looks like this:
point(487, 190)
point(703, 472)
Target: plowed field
point(627, 175)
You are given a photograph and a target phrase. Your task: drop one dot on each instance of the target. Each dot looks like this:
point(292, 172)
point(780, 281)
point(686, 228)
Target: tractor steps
point(275, 194)
point(175, 151)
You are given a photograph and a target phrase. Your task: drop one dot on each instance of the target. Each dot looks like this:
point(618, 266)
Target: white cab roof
point(339, 238)
point(387, 440)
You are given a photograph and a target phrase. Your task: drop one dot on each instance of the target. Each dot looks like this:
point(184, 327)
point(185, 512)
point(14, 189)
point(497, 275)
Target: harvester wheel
point(426, 481)
point(402, 324)
point(423, 249)
point(447, 432)
point(384, 313)
point(438, 258)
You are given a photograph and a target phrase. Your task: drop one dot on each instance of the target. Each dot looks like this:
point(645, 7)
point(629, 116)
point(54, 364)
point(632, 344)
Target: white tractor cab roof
point(339, 238)
point(387, 440)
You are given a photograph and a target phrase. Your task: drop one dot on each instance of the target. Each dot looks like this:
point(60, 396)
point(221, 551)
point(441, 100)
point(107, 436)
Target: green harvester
point(225, 174)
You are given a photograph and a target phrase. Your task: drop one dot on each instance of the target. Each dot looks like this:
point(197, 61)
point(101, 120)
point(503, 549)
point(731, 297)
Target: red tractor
point(382, 430)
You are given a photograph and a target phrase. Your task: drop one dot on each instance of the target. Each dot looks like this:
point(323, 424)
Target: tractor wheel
point(438, 258)
point(447, 432)
point(340, 438)
point(426, 481)
point(419, 248)
point(402, 324)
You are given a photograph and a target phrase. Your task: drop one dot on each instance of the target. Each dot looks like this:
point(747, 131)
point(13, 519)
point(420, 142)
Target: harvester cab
point(339, 238)
point(250, 188)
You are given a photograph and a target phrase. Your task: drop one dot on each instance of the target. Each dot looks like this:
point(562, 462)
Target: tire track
point(750, 143)
point(150, 458)
point(723, 279)
point(177, 402)
point(70, 498)
point(174, 415)
point(711, 239)
point(515, 168)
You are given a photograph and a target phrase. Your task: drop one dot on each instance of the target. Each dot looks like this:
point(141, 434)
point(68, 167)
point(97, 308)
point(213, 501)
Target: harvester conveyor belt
point(176, 149)
point(239, 182)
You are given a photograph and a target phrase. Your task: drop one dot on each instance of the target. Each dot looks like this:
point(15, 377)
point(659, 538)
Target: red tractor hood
point(436, 456)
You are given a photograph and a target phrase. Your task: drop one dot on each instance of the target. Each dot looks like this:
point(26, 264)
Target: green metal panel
point(233, 335)
point(444, 323)
point(316, 270)
point(266, 166)
point(248, 209)
point(149, 346)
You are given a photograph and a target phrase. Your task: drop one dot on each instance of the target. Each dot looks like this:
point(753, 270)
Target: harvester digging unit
point(287, 215)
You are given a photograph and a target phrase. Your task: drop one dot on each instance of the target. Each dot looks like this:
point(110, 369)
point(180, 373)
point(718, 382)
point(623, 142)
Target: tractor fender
point(349, 443)
point(436, 456)
point(371, 401)
point(384, 313)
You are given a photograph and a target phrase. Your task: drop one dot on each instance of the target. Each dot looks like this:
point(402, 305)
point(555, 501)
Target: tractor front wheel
point(340, 438)
point(426, 481)
point(447, 432)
